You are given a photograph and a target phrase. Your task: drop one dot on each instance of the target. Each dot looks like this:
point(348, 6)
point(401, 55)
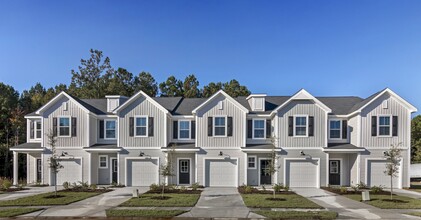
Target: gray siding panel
point(73, 110)
point(302, 108)
point(354, 130)
point(93, 130)
point(394, 109)
point(230, 110)
point(142, 107)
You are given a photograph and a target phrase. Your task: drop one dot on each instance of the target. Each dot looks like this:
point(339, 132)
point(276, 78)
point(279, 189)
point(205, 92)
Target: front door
point(184, 172)
point(334, 172)
point(39, 170)
point(114, 170)
point(265, 176)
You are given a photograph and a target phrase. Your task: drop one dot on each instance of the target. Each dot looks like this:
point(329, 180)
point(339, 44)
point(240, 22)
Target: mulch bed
point(13, 189)
point(351, 192)
point(178, 191)
point(253, 190)
point(102, 190)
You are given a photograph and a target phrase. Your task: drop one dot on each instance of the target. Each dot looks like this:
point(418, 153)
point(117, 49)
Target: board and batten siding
point(230, 110)
point(354, 130)
point(302, 107)
point(142, 106)
point(93, 130)
point(73, 110)
point(394, 109)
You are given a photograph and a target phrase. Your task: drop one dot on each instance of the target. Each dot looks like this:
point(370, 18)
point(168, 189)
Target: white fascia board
point(256, 95)
point(52, 101)
point(134, 97)
point(221, 92)
point(26, 149)
point(303, 95)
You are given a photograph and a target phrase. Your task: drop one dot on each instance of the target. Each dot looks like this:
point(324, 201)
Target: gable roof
point(57, 97)
point(302, 94)
point(221, 92)
point(136, 96)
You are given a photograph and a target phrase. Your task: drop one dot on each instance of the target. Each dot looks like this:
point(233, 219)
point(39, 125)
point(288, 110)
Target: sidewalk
point(30, 192)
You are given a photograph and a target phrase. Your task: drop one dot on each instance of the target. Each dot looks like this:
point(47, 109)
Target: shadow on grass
point(54, 196)
point(276, 199)
point(161, 198)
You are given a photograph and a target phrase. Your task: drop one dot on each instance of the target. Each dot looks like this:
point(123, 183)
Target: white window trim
point(105, 129)
point(264, 128)
point(106, 161)
point(214, 125)
point(35, 129)
point(390, 125)
point(295, 125)
point(340, 129)
point(147, 125)
point(255, 163)
point(70, 126)
point(179, 129)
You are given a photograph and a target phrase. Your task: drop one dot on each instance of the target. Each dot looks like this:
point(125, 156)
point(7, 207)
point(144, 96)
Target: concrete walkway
point(347, 208)
point(407, 193)
point(29, 192)
point(218, 202)
point(91, 207)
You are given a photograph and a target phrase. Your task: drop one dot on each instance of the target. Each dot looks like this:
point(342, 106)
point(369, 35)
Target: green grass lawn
point(143, 213)
point(41, 199)
point(16, 211)
point(285, 201)
point(384, 202)
point(298, 215)
point(153, 200)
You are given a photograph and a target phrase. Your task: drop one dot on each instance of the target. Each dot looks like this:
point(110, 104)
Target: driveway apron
point(347, 208)
point(29, 192)
point(91, 207)
point(219, 202)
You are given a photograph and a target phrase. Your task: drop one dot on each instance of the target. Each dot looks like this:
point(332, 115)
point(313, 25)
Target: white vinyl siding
point(184, 130)
point(335, 129)
point(259, 129)
point(64, 126)
point(110, 129)
point(141, 126)
point(220, 126)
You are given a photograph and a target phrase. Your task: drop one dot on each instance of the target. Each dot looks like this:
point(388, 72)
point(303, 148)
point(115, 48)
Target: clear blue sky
point(275, 47)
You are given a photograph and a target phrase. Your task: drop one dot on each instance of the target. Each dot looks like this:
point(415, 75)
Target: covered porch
point(34, 166)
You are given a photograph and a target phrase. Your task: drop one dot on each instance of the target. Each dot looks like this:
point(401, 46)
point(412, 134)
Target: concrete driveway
point(30, 192)
point(347, 208)
point(91, 207)
point(220, 202)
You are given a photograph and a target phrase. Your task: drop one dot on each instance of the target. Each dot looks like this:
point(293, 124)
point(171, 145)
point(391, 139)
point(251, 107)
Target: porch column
point(15, 168)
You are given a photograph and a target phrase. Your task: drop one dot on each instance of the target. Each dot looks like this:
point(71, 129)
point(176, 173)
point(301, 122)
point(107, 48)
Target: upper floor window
point(259, 128)
point(110, 127)
point(37, 130)
point(64, 127)
point(220, 126)
point(335, 129)
point(384, 125)
point(184, 129)
point(300, 126)
point(141, 126)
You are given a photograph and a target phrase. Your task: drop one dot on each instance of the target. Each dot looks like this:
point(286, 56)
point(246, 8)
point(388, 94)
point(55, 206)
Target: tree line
point(95, 77)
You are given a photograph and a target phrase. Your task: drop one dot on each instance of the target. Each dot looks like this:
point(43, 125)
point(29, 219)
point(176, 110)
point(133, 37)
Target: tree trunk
point(55, 184)
point(163, 189)
point(391, 187)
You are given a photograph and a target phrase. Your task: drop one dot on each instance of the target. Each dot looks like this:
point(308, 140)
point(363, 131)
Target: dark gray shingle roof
point(29, 146)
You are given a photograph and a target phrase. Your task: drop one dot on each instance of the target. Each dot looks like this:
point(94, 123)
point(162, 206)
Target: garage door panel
point(71, 171)
point(301, 173)
point(221, 172)
point(142, 172)
point(376, 175)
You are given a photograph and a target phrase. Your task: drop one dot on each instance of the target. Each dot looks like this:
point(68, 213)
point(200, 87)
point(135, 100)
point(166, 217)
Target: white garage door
point(301, 173)
point(142, 172)
point(71, 171)
point(221, 172)
point(376, 175)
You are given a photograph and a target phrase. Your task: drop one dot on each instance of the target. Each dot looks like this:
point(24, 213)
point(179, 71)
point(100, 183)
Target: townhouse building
point(221, 140)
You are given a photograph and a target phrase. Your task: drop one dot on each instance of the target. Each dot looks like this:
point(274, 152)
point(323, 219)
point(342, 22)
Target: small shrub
point(362, 185)
point(286, 188)
point(83, 185)
point(114, 184)
point(355, 188)
point(377, 189)
point(66, 185)
point(263, 187)
point(344, 190)
point(7, 184)
point(183, 188)
point(93, 186)
point(195, 186)
point(170, 187)
point(154, 187)
point(248, 189)
point(278, 187)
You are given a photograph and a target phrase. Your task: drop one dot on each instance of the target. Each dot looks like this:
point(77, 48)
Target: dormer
point(114, 101)
point(257, 102)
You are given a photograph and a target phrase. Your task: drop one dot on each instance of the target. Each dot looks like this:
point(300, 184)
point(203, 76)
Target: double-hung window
point(37, 131)
point(251, 161)
point(258, 128)
point(141, 126)
point(110, 127)
point(384, 125)
point(184, 129)
point(220, 126)
point(103, 161)
point(300, 126)
point(64, 127)
point(335, 129)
